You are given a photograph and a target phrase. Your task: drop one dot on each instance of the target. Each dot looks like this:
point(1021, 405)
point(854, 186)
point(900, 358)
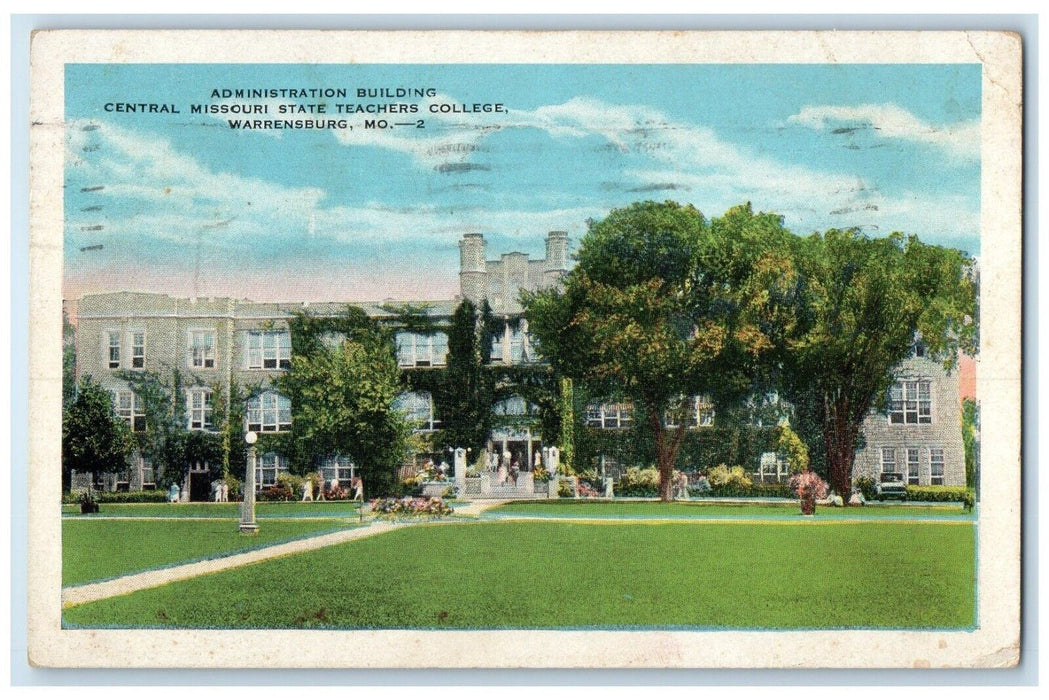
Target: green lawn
point(98, 549)
point(708, 509)
point(804, 574)
point(322, 509)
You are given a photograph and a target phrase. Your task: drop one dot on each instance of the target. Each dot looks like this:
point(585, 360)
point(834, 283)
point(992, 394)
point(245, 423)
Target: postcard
point(453, 349)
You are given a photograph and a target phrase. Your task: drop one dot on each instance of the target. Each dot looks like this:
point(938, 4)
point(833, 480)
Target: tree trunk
point(839, 437)
point(668, 444)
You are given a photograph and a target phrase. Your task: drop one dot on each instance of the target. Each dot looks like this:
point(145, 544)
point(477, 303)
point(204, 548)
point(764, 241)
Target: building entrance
point(200, 482)
point(521, 445)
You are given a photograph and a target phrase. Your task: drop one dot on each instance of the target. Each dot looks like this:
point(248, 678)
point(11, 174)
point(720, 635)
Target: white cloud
point(444, 138)
point(961, 139)
point(154, 192)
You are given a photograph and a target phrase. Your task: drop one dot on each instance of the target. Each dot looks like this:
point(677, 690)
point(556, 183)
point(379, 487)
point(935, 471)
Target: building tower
point(472, 268)
point(556, 257)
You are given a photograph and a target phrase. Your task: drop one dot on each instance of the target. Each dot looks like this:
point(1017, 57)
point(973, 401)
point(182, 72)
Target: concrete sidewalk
point(90, 592)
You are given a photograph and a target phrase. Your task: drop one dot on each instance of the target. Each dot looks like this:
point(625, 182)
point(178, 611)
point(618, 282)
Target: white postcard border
point(995, 643)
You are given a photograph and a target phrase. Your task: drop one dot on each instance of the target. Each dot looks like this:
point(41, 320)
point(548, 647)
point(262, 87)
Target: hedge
point(152, 496)
point(942, 494)
point(755, 490)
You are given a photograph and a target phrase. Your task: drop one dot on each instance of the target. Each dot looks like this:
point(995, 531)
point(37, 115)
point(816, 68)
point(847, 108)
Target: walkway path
point(90, 592)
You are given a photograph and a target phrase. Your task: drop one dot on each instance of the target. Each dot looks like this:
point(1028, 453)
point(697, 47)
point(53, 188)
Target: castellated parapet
point(501, 281)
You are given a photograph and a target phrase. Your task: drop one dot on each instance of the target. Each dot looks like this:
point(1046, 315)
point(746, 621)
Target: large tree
point(664, 305)
point(94, 438)
point(342, 385)
point(863, 304)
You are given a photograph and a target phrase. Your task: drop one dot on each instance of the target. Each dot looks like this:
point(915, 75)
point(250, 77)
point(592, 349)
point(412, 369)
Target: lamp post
point(248, 526)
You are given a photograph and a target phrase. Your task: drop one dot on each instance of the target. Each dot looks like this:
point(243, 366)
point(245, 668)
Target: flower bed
point(410, 507)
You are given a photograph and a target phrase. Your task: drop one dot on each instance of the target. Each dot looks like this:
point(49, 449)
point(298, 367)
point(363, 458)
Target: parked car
point(891, 485)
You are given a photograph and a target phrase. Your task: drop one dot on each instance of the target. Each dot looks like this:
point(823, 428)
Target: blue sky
point(189, 206)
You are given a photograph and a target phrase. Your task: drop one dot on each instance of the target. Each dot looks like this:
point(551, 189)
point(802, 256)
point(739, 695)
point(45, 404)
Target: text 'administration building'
point(222, 342)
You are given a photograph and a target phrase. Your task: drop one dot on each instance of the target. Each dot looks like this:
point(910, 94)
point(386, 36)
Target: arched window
point(515, 406)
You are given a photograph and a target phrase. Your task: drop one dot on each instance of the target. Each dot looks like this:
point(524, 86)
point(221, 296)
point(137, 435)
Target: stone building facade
point(920, 438)
point(221, 342)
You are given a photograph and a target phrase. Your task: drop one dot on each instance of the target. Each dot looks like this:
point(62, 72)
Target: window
point(268, 412)
point(269, 466)
point(198, 408)
point(910, 402)
point(888, 460)
point(114, 349)
point(609, 415)
point(202, 349)
point(269, 350)
point(138, 349)
point(592, 416)
point(497, 348)
point(149, 479)
point(704, 411)
point(936, 466)
point(773, 465)
point(517, 346)
point(514, 406)
point(912, 466)
point(422, 350)
point(338, 467)
point(439, 348)
point(697, 411)
point(417, 407)
point(129, 408)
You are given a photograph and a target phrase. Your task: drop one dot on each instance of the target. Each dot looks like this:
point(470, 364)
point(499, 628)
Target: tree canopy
point(343, 391)
point(94, 438)
point(862, 304)
point(664, 305)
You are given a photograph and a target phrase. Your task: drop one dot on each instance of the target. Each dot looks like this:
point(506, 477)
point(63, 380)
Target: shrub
point(808, 484)
point(791, 445)
point(87, 501)
point(291, 482)
point(588, 475)
point(586, 490)
point(868, 487)
point(638, 482)
point(729, 482)
point(411, 486)
point(540, 476)
point(431, 472)
point(564, 489)
point(336, 493)
point(276, 492)
point(701, 487)
point(152, 496)
point(942, 494)
point(236, 488)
